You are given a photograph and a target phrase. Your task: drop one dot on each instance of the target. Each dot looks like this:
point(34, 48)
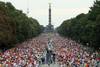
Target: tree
point(15, 26)
point(84, 27)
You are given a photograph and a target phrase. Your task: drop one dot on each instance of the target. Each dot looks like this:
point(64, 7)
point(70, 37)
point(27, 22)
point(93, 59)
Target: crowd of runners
point(26, 54)
point(71, 54)
point(67, 52)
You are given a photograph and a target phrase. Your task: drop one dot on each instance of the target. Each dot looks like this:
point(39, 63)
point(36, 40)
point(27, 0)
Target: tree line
point(16, 26)
point(84, 28)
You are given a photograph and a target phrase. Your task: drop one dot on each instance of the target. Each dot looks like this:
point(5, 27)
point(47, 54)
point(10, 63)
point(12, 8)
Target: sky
point(61, 9)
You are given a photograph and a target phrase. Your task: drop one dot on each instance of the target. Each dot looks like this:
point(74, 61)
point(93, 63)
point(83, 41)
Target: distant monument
point(49, 28)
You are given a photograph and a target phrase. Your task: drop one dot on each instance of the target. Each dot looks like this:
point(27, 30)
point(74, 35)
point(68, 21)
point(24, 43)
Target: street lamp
point(5, 2)
point(27, 7)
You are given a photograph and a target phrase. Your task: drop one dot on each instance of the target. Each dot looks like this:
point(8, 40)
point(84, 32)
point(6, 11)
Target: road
point(36, 47)
point(52, 65)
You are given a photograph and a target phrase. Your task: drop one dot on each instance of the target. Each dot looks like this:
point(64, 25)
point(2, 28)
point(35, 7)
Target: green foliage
point(15, 26)
point(84, 28)
point(94, 11)
point(7, 27)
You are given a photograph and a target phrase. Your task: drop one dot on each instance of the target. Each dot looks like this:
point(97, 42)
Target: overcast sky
point(61, 9)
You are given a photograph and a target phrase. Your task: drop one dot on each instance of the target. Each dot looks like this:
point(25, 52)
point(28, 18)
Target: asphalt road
point(51, 65)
